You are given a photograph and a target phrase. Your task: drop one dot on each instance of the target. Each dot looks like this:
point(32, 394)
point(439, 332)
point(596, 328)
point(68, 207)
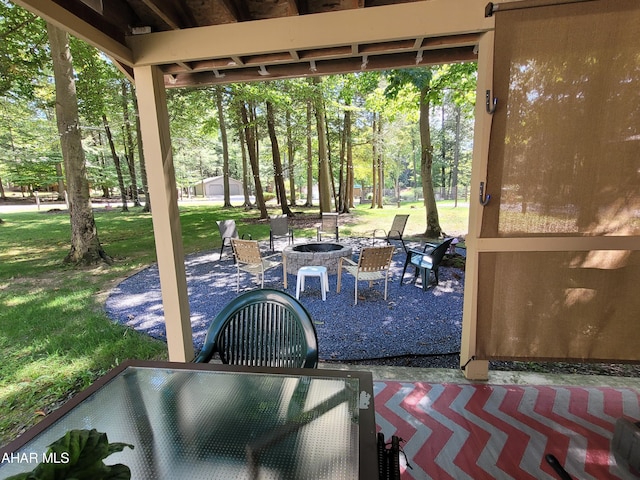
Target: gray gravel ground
point(410, 322)
point(411, 328)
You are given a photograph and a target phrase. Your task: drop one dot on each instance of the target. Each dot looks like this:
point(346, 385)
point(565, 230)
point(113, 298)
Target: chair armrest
point(272, 255)
point(379, 230)
point(250, 238)
point(348, 260)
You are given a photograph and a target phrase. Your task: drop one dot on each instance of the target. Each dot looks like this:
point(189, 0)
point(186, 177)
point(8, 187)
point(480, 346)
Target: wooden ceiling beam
point(327, 67)
point(170, 13)
point(307, 32)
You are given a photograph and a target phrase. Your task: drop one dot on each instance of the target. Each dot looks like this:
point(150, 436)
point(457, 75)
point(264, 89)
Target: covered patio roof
point(225, 41)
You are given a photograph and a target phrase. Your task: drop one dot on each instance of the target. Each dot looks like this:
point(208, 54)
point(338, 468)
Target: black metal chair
point(426, 261)
point(395, 232)
point(265, 327)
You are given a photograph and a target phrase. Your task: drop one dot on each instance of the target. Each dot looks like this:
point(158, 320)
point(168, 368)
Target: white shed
point(214, 186)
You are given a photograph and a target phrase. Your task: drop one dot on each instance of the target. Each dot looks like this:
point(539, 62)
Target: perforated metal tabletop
point(220, 422)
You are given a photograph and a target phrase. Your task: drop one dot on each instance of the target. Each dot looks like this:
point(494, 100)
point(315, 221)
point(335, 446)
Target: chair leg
point(355, 302)
point(385, 286)
point(425, 273)
point(238, 279)
point(298, 284)
point(404, 270)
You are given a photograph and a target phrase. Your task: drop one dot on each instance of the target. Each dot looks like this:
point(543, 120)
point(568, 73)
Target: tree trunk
point(245, 170)
point(309, 202)
point(277, 162)
point(350, 181)
point(85, 245)
point(324, 173)
point(143, 168)
point(456, 157)
point(290, 163)
point(374, 158)
point(342, 180)
point(253, 159)
point(225, 148)
point(3, 196)
point(116, 161)
point(433, 229)
point(129, 144)
point(380, 164)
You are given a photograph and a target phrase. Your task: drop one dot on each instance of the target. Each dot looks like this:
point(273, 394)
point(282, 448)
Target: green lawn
point(55, 338)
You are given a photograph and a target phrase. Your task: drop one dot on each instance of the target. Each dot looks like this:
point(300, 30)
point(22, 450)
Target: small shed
point(214, 186)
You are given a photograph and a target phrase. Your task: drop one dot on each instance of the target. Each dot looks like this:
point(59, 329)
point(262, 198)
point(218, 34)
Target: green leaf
point(85, 450)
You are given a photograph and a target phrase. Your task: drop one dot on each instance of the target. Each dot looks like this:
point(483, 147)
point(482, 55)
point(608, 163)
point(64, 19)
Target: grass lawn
point(55, 338)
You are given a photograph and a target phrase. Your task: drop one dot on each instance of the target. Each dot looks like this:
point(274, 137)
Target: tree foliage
point(332, 135)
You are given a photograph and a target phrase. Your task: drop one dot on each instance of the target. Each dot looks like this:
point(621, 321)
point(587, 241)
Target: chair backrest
point(246, 251)
point(329, 221)
point(374, 259)
point(397, 227)
point(263, 328)
point(437, 254)
point(279, 225)
point(227, 229)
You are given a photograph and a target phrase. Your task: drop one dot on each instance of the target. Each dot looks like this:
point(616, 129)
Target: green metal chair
point(263, 328)
point(426, 261)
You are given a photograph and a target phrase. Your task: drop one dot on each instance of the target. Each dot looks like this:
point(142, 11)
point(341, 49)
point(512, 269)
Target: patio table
point(219, 421)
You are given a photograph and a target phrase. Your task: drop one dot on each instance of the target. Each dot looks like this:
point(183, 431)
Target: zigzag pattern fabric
point(475, 432)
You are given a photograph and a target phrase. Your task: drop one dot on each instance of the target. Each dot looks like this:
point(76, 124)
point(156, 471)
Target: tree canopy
point(381, 136)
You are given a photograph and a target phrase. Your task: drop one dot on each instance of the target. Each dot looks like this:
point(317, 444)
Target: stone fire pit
point(318, 254)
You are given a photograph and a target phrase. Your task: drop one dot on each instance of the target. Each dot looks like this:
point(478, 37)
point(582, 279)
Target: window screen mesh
point(565, 141)
point(564, 160)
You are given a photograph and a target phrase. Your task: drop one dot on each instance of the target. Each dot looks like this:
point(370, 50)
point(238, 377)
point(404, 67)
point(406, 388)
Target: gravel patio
point(410, 322)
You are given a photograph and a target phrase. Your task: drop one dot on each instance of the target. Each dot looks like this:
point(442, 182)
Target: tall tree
point(225, 147)
point(250, 137)
point(420, 78)
point(277, 161)
point(324, 170)
point(309, 201)
point(85, 244)
point(128, 142)
point(116, 162)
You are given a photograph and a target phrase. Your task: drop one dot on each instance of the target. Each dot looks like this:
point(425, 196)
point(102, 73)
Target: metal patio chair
point(329, 226)
point(279, 229)
point(395, 232)
point(373, 264)
point(250, 260)
point(228, 231)
point(267, 328)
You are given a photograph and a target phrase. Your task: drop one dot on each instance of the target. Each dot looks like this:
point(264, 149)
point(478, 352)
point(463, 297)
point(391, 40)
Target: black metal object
point(388, 458)
point(557, 467)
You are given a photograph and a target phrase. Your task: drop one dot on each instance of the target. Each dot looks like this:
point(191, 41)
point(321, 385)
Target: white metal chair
point(250, 260)
point(373, 264)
